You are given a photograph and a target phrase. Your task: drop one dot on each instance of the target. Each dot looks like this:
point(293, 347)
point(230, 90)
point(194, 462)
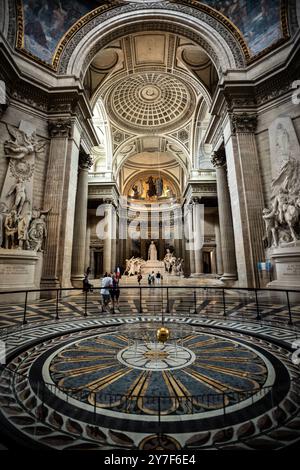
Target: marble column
point(246, 194)
point(87, 247)
point(60, 195)
point(190, 251)
point(219, 269)
point(80, 222)
point(213, 258)
point(198, 253)
point(226, 227)
point(109, 258)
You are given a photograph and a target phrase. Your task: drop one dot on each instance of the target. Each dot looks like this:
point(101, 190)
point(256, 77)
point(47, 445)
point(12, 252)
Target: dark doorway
point(98, 263)
point(206, 262)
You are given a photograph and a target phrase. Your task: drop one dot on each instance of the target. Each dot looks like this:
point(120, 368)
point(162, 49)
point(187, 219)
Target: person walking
point(149, 279)
point(152, 278)
point(105, 285)
point(158, 277)
point(115, 292)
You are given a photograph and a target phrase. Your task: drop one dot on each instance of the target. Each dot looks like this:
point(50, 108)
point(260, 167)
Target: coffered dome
point(146, 100)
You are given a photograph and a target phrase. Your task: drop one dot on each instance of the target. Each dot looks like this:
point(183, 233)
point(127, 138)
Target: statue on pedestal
point(152, 252)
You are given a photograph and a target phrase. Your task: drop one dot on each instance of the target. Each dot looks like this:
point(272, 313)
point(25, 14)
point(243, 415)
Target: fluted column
point(60, 195)
point(191, 251)
point(219, 268)
point(109, 241)
point(87, 247)
point(244, 177)
point(198, 254)
point(225, 216)
point(80, 222)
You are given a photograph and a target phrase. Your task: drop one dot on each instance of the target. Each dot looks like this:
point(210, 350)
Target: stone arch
point(210, 29)
point(183, 159)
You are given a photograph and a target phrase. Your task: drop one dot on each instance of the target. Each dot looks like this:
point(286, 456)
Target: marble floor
point(194, 297)
point(74, 384)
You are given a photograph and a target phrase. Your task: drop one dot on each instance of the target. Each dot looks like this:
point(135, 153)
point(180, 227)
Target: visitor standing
point(115, 291)
point(139, 278)
point(158, 277)
point(105, 286)
point(87, 286)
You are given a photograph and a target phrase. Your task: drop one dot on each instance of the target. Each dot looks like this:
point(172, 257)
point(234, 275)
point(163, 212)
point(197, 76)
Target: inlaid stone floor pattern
point(207, 302)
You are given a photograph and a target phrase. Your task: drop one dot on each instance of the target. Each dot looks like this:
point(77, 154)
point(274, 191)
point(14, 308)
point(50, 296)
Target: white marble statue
point(282, 221)
point(133, 266)
point(152, 252)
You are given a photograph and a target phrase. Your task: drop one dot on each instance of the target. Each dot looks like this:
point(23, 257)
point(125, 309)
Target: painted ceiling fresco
point(46, 22)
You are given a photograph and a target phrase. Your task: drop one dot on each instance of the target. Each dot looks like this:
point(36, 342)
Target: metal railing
point(49, 393)
point(187, 300)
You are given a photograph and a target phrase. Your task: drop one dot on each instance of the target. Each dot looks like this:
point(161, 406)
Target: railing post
point(258, 317)
point(56, 309)
point(85, 303)
point(289, 307)
point(224, 303)
point(159, 417)
point(195, 302)
point(141, 308)
point(25, 309)
point(168, 306)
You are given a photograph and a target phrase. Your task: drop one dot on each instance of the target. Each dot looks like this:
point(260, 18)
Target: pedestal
point(286, 260)
point(155, 266)
point(18, 271)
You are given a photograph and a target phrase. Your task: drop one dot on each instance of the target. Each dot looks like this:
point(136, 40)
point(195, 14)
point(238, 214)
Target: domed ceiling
point(146, 100)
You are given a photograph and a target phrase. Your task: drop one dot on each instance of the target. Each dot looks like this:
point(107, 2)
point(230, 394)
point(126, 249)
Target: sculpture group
point(172, 264)
point(282, 220)
point(21, 226)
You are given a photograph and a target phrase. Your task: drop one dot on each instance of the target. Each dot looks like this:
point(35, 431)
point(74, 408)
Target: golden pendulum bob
point(162, 334)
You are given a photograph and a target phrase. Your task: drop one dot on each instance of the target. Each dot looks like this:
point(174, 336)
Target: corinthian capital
point(244, 123)
point(85, 161)
point(218, 159)
point(61, 128)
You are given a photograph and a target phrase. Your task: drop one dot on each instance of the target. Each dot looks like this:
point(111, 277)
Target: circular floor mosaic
point(105, 389)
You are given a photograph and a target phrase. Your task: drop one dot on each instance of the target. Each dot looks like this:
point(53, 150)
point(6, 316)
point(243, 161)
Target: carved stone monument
point(22, 228)
point(282, 219)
